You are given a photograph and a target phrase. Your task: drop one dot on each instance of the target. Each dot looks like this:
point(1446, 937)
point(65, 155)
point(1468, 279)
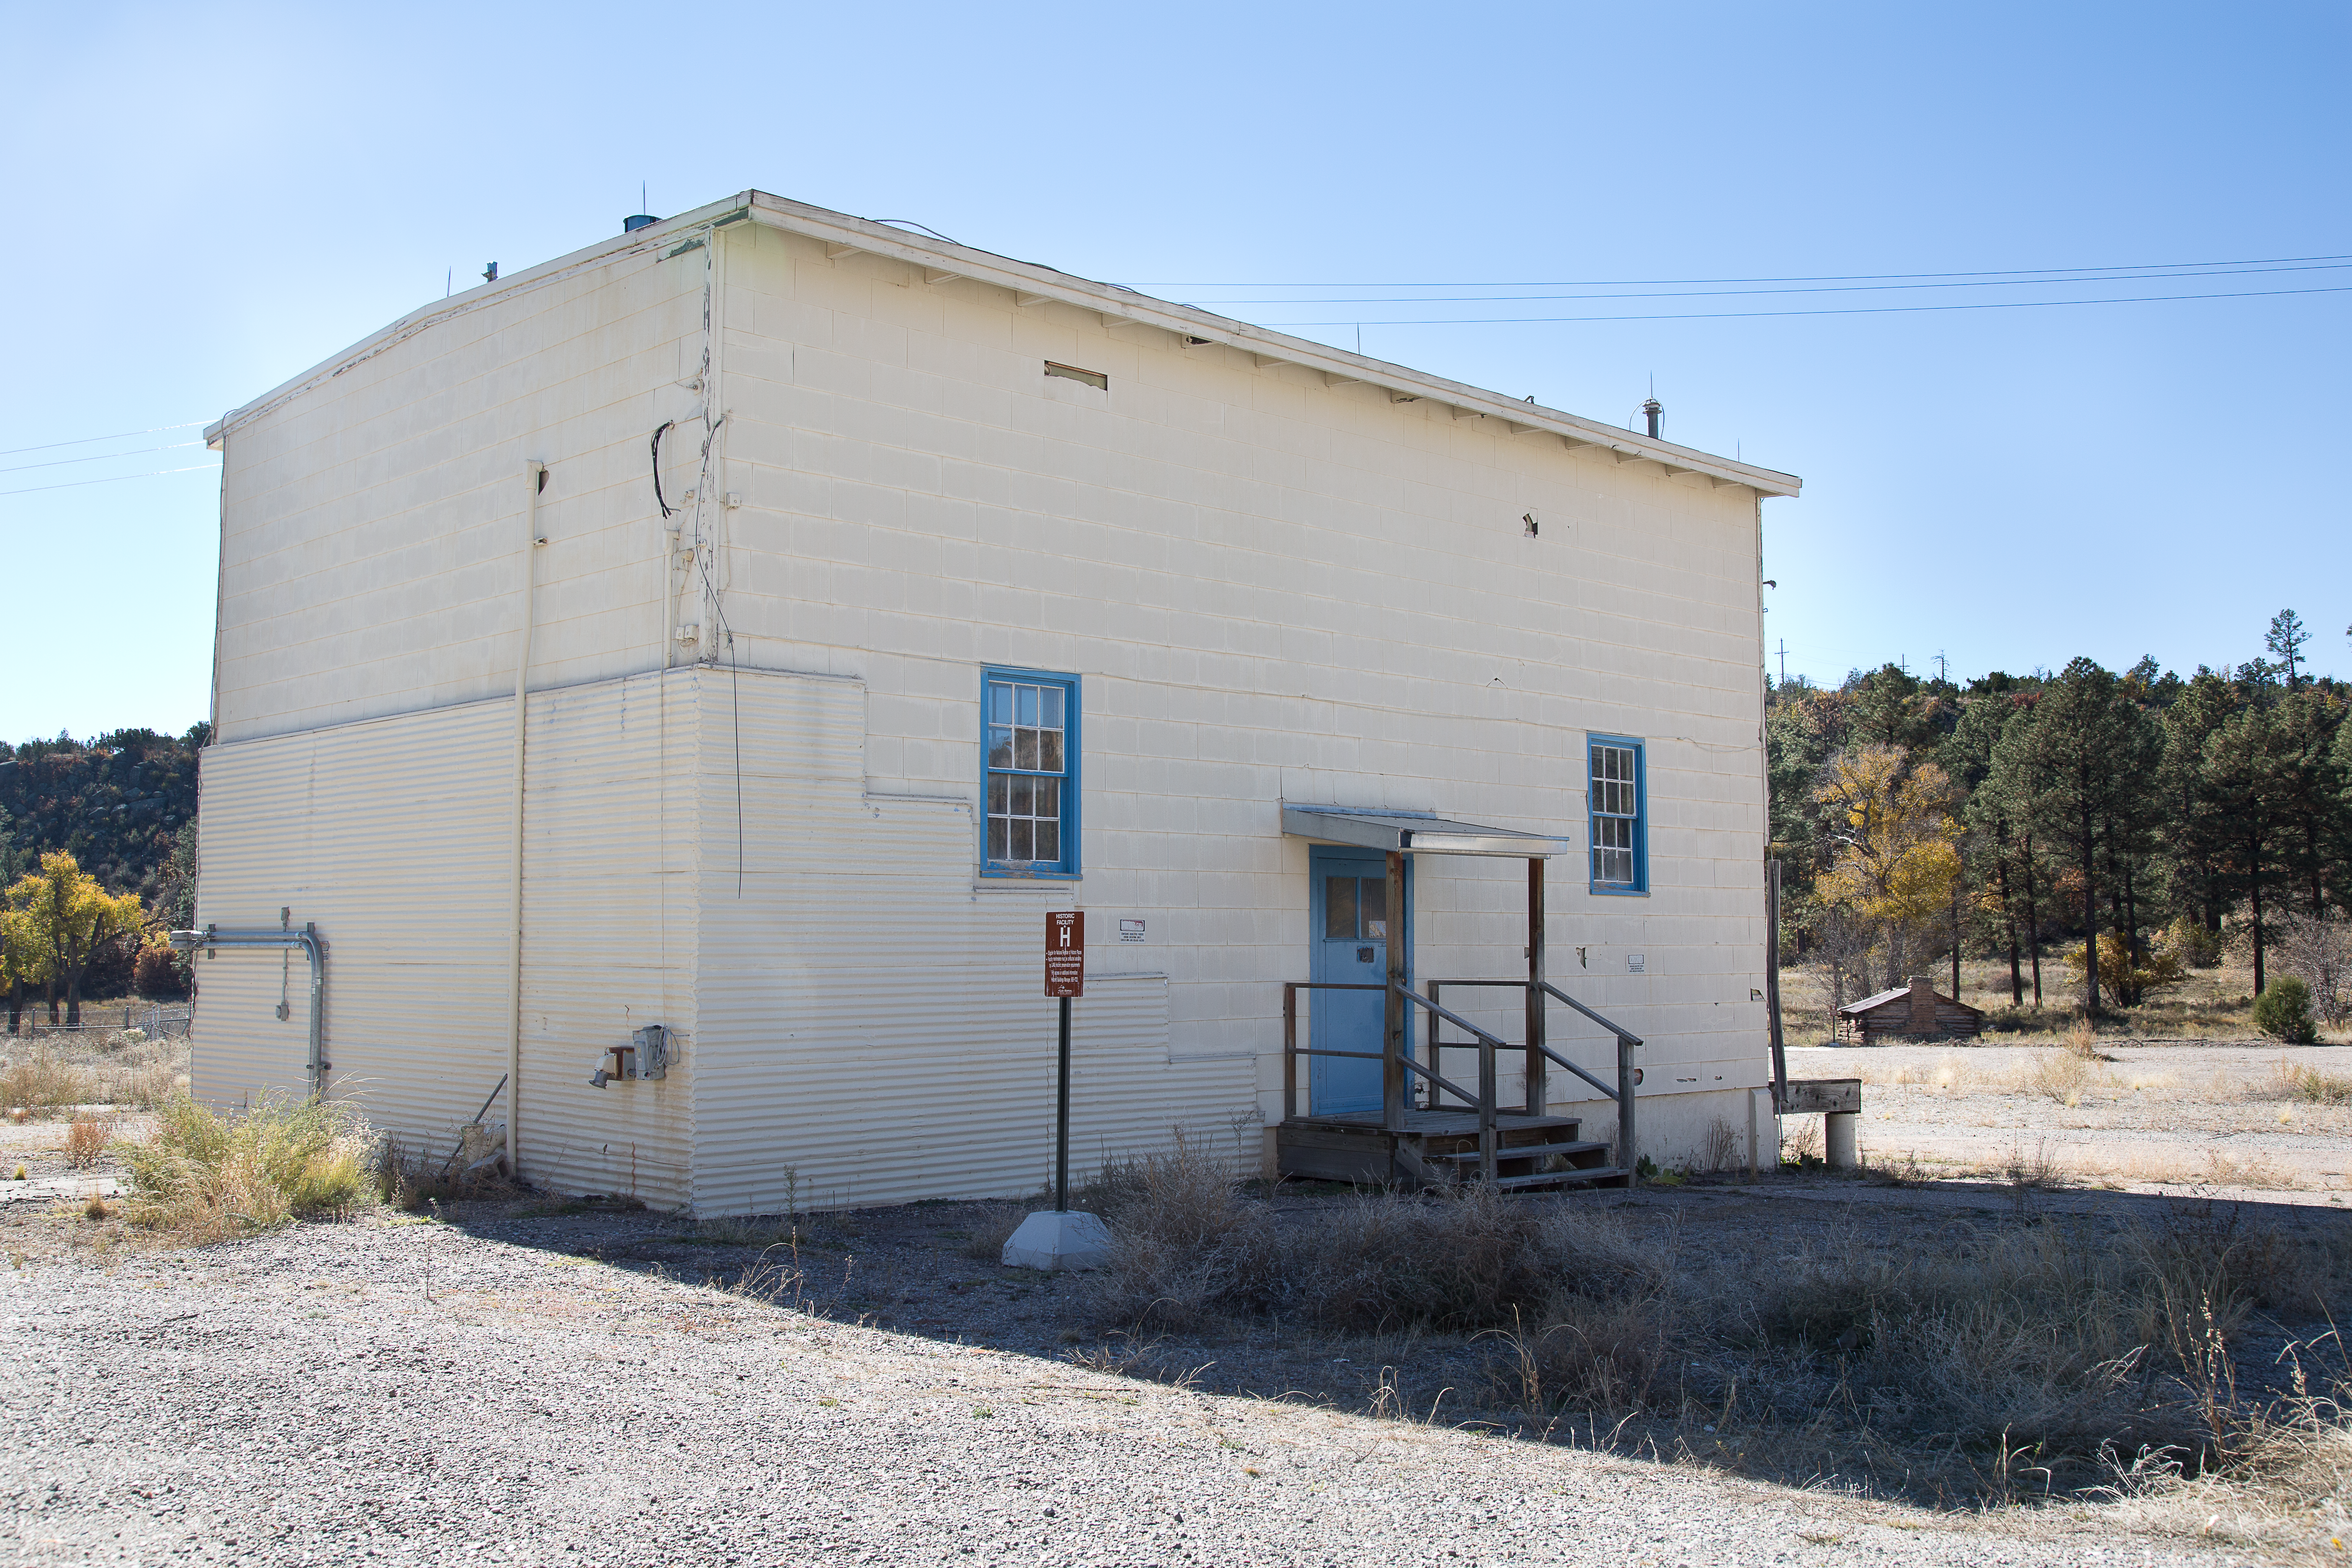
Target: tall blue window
point(1030, 745)
point(1617, 807)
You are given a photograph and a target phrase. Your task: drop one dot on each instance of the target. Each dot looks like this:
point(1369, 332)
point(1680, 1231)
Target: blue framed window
point(1616, 800)
point(1029, 758)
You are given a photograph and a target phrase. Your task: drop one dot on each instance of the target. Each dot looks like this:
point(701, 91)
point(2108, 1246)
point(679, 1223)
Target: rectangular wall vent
point(1093, 378)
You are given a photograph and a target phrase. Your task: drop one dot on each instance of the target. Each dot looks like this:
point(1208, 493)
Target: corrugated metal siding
point(609, 829)
point(393, 836)
point(873, 1028)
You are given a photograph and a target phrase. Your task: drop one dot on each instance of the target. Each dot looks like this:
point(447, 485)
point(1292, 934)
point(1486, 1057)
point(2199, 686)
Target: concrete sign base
point(1049, 1240)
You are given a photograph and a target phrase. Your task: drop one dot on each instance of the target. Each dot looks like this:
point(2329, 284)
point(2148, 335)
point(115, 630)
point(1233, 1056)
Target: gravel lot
point(401, 1392)
point(2149, 1116)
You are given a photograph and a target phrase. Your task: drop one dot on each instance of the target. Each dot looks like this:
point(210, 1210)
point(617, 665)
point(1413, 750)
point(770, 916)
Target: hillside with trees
point(2132, 824)
point(98, 858)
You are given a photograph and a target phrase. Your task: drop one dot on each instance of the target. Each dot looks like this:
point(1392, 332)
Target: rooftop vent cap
point(641, 220)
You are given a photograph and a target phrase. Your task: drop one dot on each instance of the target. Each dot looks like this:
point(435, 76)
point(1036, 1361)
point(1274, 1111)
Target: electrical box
point(652, 1051)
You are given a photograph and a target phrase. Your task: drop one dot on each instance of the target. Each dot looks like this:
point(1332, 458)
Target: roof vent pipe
point(641, 220)
point(1651, 408)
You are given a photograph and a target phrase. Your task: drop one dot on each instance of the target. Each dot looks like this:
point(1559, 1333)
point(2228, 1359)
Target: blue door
point(1349, 936)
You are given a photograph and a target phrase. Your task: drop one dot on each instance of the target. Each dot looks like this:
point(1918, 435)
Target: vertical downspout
point(1772, 866)
point(534, 475)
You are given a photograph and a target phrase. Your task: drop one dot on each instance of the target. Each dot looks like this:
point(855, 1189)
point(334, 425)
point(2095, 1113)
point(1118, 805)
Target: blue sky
point(204, 204)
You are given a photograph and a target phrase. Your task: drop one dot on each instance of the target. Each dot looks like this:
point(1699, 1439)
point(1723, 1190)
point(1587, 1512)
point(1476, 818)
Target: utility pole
point(1942, 671)
point(1784, 661)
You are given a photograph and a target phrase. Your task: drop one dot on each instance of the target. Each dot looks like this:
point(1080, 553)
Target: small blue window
point(1029, 751)
point(1616, 802)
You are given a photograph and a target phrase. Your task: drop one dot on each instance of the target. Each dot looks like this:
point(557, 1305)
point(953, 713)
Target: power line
point(1737, 293)
point(117, 478)
point(1826, 278)
point(101, 457)
point(1834, 311)
point(86, 440)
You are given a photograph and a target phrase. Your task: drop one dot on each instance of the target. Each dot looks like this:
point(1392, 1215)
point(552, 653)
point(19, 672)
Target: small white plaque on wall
point(1130, 929)
point(1637, 962)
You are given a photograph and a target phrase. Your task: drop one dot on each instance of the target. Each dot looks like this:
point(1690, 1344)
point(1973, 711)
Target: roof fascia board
point(652, 238)
point(1028, 281)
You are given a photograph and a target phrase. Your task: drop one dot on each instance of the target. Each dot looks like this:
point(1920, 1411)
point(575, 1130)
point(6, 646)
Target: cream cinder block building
point(754, 623)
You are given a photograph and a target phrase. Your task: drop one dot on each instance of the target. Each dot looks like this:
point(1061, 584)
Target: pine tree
point(2096, 753)
point(2285, 639)
point(2248, 761)
point(2311, 791)
point(2194, 876)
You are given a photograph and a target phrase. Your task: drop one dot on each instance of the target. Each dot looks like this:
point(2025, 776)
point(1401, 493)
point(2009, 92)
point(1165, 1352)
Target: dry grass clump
point(2063, 1076)
point(992, 1225)
point(2286, 1484)
point(470, 1166)
point(1189, 1250)
point(2006, 1360)
point(746, 1230)
point(2308, 1083)
point(2082, 1040)
point(41, 1085)
point(138, 1073)
point(202, 1176)
point(86, 1140)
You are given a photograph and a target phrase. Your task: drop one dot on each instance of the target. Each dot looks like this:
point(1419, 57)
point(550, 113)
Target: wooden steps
point(1528, 1151)
point(1574, 1176)
point(1439, 1148)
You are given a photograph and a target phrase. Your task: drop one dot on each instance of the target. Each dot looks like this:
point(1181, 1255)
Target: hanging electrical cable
point(660, 431)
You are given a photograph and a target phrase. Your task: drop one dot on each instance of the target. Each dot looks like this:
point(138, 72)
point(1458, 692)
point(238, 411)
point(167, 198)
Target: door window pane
point(1340, 908)
point(1375, 903)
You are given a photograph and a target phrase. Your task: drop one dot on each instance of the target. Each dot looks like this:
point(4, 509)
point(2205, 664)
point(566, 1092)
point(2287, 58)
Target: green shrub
point(2283, 1012)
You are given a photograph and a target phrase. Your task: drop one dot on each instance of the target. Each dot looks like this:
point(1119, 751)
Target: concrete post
point(1839, 1145)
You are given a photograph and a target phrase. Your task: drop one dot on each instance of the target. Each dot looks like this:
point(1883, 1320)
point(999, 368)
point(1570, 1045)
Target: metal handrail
point(1628, 1074)
point(1486, 1044)
point(1625, 1035)
point(1488, 1138)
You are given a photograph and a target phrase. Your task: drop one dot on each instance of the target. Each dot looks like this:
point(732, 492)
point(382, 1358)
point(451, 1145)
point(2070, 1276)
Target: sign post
point(1065, 976)
point(1058, 1238)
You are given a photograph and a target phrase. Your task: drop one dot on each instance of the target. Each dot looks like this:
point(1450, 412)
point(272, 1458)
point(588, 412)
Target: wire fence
point(158, 1023)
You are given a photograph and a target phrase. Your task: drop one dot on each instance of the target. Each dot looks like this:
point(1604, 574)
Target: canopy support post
point(1393, 1094)
point(1539, 1096)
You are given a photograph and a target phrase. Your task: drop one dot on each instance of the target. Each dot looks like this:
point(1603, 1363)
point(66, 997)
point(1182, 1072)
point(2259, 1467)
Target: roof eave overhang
point(670, 235)
point(1030, 284)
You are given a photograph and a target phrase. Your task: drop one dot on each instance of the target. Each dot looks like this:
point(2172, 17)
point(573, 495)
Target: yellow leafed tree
point(64, 915)
point(23, 961)
point(1895, 860)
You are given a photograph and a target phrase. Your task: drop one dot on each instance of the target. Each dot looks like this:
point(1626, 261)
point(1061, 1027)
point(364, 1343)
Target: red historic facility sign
point(1066, 953)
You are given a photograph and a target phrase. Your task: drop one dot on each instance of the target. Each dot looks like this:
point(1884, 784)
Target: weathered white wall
point(874, 1028)
point(371, 547)
point(393, 836)
point(1272, 588)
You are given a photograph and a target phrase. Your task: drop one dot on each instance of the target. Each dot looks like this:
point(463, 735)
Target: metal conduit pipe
point(272, 939)
point(534, 476)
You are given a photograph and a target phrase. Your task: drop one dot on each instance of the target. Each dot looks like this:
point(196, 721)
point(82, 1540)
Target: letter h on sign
point(1066, 953)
